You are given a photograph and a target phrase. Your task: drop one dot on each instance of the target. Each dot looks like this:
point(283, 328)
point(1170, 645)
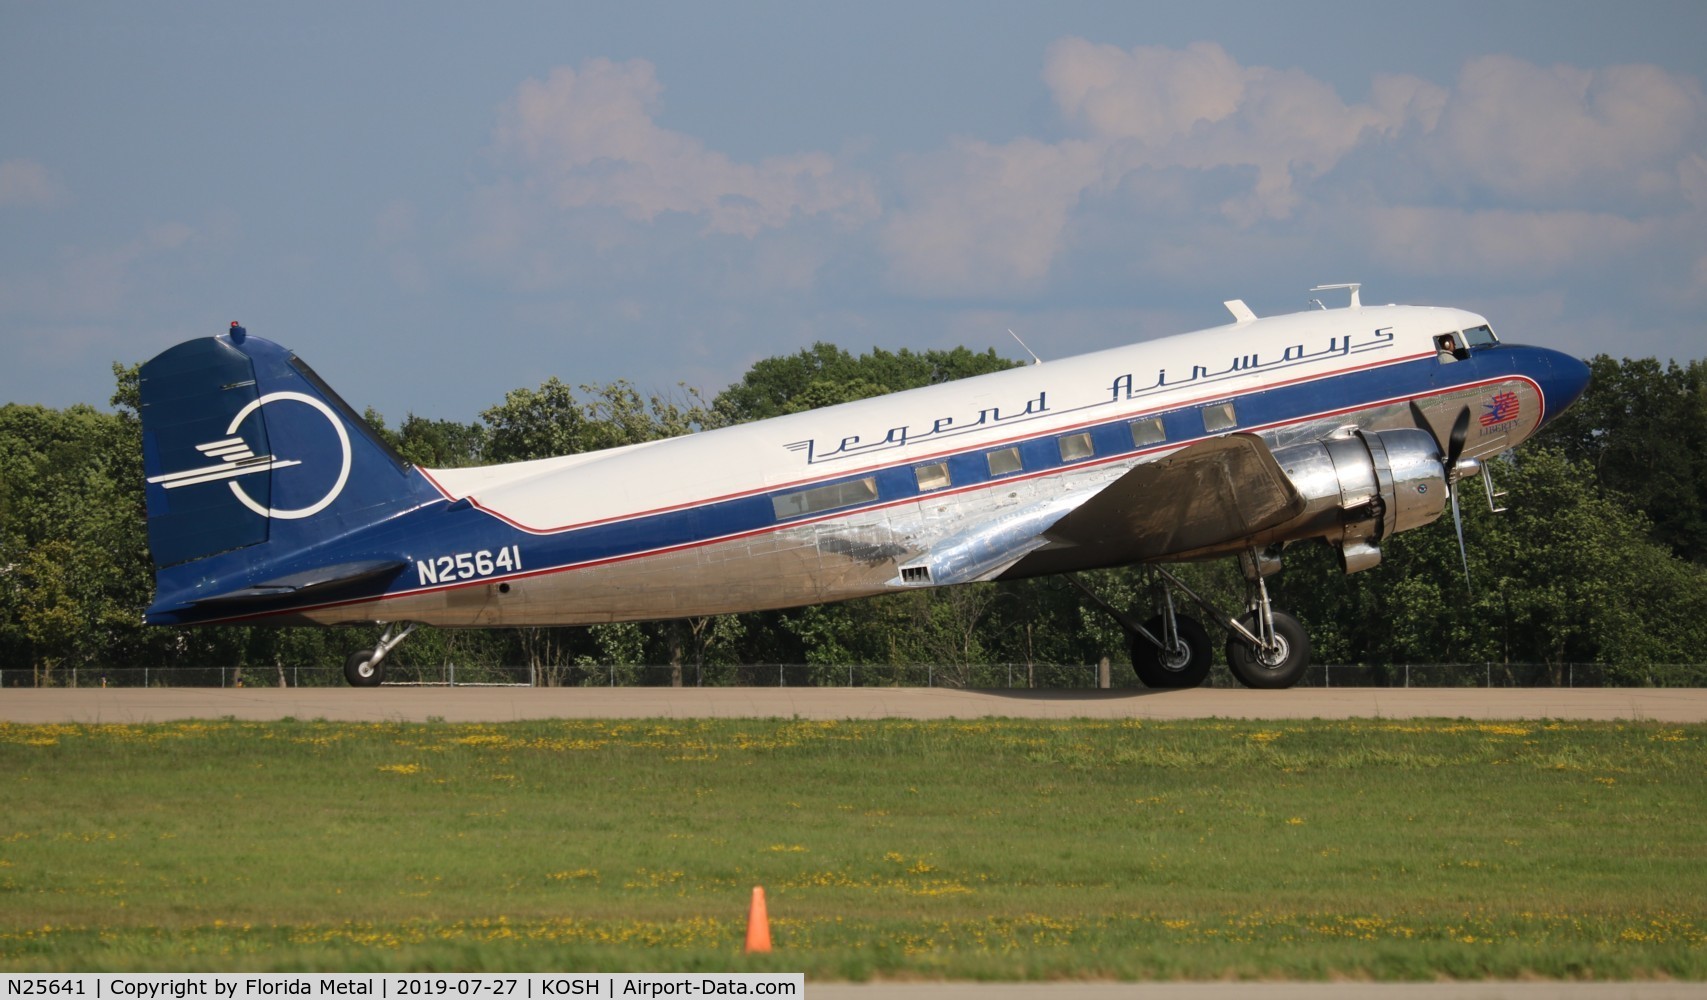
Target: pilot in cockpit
point(1447, 347)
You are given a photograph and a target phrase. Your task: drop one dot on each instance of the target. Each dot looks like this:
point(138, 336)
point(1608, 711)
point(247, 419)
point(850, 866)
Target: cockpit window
point(1449, 348)
point(1479, 336)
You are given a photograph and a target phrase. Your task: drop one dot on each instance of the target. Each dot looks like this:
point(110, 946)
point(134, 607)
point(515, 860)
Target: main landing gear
point(1265, 648)
point(366, 667)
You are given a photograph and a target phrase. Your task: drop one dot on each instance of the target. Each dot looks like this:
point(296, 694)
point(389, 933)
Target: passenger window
point(1148, 431)
point(825, 498)
point(1004, 461)
point(1219, 417)
point(932, 477)
point(1076, 446)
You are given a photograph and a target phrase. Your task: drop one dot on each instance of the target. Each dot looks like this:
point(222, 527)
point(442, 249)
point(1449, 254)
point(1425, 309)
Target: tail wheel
point(362, 670)
point(1279, 667)
point(1186, 665)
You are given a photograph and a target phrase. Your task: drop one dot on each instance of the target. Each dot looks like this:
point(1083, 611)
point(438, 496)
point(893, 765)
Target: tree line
point(1600, 558)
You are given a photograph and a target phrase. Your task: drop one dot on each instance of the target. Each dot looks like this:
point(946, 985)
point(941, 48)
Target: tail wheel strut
point(366, 667)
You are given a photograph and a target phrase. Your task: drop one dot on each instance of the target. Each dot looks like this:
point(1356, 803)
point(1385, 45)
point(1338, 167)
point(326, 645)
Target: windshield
point(1477, 336)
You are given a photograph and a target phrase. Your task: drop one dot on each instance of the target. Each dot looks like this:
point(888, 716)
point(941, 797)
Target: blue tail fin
point(250, 460)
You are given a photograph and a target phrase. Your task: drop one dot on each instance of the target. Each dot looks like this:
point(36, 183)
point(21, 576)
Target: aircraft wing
point(1209, 493)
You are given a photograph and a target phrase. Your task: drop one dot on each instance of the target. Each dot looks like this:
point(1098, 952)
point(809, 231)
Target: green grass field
point(998, 849)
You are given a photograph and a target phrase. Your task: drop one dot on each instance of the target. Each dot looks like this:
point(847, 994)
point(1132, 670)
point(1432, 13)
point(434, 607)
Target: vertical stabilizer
point(250, 460)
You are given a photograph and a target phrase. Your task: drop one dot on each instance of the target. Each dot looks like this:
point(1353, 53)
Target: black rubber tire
point(1282, 670)
point(357, 671)
point(1187, 668)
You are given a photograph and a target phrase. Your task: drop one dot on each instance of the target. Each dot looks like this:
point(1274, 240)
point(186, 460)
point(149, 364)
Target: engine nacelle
point(1362, 486)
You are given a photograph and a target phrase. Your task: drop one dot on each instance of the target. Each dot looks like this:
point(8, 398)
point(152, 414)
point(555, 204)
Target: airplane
point(270, 501)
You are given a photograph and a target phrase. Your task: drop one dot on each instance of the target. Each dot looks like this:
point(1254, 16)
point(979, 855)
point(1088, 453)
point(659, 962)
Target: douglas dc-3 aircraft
point(271, 501)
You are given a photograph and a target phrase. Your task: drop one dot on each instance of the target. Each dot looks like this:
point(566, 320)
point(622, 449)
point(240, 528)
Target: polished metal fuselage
point(844, 554)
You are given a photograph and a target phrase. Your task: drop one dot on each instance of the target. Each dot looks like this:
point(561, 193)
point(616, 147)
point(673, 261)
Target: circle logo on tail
point(343, 444)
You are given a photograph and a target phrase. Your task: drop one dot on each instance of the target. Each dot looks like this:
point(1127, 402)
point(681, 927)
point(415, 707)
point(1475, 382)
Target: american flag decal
point(1504, 406)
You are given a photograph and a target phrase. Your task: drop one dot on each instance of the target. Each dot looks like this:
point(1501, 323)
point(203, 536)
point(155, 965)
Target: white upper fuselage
point(926, 424)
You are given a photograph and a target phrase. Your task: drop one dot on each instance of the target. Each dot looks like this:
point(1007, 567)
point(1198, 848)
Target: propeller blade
point(1455, 443)
point(1463, 553)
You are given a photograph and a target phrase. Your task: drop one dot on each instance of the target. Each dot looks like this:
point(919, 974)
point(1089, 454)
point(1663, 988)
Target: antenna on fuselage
point(1034, 358)
point(1356, 302)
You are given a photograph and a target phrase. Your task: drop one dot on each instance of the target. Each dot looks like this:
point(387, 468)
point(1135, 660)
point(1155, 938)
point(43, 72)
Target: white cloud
point(984, 218)
point(587, 138)
point(100, 283)
point(1551, 135)
point(1466, 244)
point(1178, 169)
point(1515, 172)
point(1154, 95)
point(981, 218)
point(28, 184)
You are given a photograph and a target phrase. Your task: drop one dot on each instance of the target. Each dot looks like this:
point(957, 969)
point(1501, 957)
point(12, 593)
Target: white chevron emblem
point(236, 459)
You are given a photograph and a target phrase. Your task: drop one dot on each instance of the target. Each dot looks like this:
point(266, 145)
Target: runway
point(507, 704)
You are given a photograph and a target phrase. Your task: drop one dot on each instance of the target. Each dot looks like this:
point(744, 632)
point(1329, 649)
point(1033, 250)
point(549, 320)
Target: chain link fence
point(985, 676)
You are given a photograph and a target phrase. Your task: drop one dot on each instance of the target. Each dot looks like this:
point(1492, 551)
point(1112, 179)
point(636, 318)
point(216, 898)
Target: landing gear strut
point(1168, 650)
point(1265, 648)
point(366, 667)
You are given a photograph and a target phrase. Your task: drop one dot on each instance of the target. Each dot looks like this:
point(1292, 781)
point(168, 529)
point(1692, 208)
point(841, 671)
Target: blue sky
point(435, 203)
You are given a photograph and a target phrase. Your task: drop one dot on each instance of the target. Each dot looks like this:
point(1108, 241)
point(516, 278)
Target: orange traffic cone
point(758, 924)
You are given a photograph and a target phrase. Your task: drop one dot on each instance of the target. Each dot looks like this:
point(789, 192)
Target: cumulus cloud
point(1550, 135)
point(1173, 167)
point(984, 217)
point(92, 283)
point(987, 218)
point(588, 138)
point(1513, 170)
point(27, 183)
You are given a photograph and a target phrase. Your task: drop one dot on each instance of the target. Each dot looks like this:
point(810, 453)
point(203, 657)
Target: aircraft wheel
point(1280, 667)
point(361, 671)
point(1184, 666)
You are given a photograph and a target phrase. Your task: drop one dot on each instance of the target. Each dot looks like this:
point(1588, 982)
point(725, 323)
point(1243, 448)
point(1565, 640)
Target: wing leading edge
point(1213, 491)
point(1201, 496)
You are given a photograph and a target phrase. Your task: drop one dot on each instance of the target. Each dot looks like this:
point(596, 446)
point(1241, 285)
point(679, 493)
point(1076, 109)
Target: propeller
point(1454, 451)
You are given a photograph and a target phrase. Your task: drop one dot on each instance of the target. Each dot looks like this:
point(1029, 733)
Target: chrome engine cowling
point(1362, 486)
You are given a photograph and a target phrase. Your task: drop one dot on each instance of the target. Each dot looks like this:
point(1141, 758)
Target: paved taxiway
point(505, 704)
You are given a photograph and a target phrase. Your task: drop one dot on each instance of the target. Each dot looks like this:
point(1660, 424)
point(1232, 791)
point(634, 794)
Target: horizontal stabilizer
point(318, 581)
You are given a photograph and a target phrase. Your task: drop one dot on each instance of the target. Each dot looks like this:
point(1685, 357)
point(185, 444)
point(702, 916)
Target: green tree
point(73, 560)
point(1642, 428)
point(824, 374)
point(1566, 575)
